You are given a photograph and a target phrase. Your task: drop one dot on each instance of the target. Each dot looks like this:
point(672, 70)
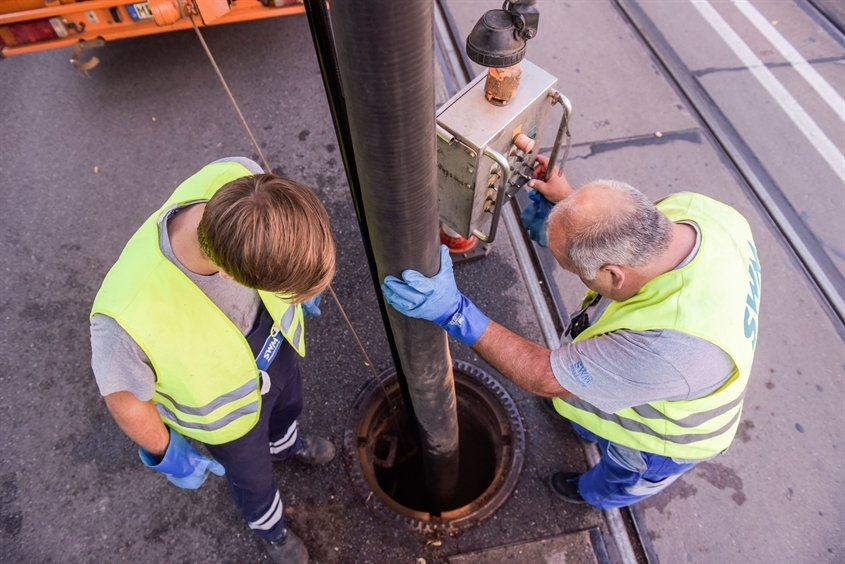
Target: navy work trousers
point(248, 460)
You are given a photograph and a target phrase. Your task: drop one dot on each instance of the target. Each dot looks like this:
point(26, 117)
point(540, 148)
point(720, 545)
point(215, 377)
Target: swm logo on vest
point(752, 301)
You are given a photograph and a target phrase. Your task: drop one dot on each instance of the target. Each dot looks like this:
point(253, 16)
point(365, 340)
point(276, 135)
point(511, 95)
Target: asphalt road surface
point(83, 161)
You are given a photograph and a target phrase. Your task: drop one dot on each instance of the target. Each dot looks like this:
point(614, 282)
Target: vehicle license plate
point(140, 11)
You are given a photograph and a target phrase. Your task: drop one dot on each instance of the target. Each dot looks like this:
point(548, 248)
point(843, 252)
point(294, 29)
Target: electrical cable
point(229, 92)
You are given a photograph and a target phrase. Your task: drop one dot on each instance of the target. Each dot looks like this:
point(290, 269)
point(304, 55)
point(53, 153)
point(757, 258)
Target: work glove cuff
point(183, 466)
point(312, 306)
point(467, 323)
point(176, 461)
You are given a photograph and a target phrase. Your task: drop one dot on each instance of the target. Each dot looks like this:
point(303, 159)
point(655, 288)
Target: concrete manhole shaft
point(382, 454)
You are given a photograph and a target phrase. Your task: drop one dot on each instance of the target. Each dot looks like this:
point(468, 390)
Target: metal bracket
point(558, 98)
point(500, 195)
point(84, 67)
point(387, 462)
point(443, 133)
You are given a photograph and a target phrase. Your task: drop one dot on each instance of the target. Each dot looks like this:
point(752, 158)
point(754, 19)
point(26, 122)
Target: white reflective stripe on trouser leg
point(645, 487)
point(628, 458)
point(285, 442)
point(271, 516)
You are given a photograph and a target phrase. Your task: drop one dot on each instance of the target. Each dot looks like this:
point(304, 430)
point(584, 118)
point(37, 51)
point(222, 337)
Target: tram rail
point(760, 186)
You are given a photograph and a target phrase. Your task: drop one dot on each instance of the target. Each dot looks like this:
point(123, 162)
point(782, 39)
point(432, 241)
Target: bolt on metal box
point(478, 165)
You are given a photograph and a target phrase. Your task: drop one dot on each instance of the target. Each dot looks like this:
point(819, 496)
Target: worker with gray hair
point(654, 364)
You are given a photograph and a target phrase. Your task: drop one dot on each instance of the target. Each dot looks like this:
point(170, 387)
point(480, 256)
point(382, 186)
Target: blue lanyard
point(269, 350)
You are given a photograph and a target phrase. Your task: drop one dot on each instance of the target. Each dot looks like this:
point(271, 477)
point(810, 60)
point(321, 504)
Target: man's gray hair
point(634, 233)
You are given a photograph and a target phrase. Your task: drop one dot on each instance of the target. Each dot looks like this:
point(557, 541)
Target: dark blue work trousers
point(248, 460)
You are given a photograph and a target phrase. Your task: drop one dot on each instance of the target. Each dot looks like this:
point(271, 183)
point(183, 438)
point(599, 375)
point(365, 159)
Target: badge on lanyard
point(267, 355)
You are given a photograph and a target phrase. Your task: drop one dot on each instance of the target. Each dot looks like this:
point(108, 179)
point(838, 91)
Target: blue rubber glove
point(436, 299)
point(534, 218)
point(312, 306)
point(182, 464)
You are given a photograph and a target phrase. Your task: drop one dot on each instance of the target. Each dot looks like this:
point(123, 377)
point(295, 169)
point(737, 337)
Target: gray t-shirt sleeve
point(248, 164)
point(119, 364)
point(627, 368)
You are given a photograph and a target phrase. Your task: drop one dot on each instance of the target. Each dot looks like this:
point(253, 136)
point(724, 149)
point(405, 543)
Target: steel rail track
point(758, 183)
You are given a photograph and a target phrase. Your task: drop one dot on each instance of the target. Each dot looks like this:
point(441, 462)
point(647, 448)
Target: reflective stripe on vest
point(708, 298)
point(216, 403)
point(175, 421)
point(693, 422)
point(207, 382)
point(288, 318)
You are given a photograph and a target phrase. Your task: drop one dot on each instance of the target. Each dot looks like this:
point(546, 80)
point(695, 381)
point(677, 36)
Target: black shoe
point(314, 450)
point(565, 486)
point(287, 548)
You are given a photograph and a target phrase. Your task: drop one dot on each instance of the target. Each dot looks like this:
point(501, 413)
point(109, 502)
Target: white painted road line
point(825, 147)
point(791, 54)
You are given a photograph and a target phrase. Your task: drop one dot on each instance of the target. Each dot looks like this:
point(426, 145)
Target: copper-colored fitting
point(524, 143)
point(501, 84)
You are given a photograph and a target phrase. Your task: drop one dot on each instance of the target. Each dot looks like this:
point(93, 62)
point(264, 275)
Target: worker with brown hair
point(654, 364)
point(197, 329)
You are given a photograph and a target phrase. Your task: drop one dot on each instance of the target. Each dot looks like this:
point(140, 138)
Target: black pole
point(385, 61)
point(321, 33)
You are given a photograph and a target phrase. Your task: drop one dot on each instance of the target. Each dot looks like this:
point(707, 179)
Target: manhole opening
point(480, 449)
point(385, 460)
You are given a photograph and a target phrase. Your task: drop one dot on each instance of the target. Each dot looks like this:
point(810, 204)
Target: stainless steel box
point(477, 161)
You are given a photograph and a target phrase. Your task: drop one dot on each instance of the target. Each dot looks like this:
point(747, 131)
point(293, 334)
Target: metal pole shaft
point(384, 55)
point(321, 33)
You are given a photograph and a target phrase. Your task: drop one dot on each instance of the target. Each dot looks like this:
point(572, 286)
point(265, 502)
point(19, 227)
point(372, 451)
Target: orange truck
point(36, 25)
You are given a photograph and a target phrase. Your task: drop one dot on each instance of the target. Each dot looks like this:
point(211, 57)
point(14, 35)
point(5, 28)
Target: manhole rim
point(493, 497)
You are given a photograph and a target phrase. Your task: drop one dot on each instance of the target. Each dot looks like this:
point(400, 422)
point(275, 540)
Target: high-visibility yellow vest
point(715, 297)
point(207, 383)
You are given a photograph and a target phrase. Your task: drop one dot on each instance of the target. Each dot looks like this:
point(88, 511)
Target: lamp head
point(499, 37)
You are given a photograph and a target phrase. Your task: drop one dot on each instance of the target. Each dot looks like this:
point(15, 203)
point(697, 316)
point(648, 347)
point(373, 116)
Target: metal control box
point(478, 165)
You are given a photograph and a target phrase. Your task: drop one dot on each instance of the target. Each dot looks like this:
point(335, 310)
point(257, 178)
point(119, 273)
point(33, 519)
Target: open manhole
point(383, 456)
